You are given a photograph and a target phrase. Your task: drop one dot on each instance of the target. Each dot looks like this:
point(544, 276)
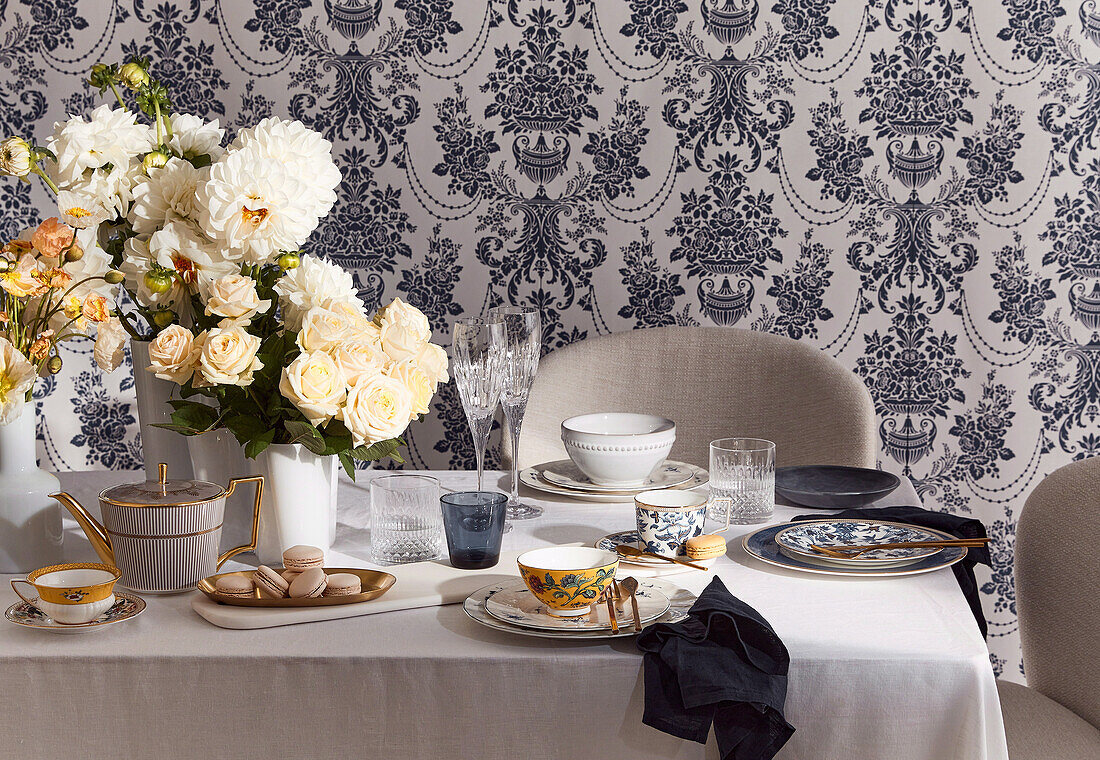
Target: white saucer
point(514, 603)
point(566, 474)
point(532, 478)
point(127, 607)
point(474, 607)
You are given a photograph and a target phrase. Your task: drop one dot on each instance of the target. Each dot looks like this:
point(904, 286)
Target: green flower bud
point(74, 252)
point(288, 261)
point(53, 366)
point(114, 277)
point(158, 281)
point(164, 317)
point(154, 160)
point(133, 76)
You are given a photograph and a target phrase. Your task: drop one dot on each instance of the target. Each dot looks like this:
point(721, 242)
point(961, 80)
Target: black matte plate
point(829, 486)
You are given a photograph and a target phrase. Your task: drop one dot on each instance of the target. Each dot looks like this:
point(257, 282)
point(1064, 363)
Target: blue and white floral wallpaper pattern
point(911, 185)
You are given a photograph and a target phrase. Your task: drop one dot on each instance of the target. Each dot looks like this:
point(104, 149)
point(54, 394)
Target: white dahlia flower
point(192, 137)
point(110, 136)
point(167, 194)
point(303, 152)
point(313, 283)
point(254, 207)
point(99, 197)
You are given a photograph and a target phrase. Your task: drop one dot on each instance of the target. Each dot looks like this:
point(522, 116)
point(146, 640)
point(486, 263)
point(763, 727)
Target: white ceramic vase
point(158, 444)
point(30, 521)
point(216, 457)
point(299, 503)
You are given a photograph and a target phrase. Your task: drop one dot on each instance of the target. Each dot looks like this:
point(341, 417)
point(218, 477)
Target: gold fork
point(846, 552)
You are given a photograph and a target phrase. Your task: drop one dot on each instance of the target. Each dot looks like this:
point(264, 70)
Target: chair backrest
point(713, 382)
point(1058, 587)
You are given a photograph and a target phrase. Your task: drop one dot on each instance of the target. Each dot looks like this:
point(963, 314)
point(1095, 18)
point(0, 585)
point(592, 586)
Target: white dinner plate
point(532, 478)
point(566, 474)
point(680, 601)
point(515, 604)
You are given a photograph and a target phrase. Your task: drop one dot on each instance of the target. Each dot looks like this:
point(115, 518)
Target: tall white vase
point(30, 521)
point(299, 503)
point(217, 457)
point(159, 445)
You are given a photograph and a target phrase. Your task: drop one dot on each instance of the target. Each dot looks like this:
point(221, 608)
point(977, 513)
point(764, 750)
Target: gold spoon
point(632, 551)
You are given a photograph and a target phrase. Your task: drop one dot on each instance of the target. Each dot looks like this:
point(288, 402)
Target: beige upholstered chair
point(713, 382)
point(1057, 572)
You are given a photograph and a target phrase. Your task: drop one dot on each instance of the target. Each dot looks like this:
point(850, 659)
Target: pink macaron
point(311, 583)
point(270, 583)
point(303, 557)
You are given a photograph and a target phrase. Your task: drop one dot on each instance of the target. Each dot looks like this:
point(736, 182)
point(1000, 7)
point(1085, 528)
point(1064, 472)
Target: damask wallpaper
point(912, 186)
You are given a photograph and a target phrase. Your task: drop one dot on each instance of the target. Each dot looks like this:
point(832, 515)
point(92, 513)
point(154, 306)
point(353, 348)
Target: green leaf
point(199, 161)
point(194, 415)
point(305, 434)
point(245, 427)
point(349, 465)
point(181, 429)
point(253, 448)
point(380, 450)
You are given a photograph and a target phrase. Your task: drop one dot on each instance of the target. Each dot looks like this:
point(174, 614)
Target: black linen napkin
point(724, 666)
point(960, 527)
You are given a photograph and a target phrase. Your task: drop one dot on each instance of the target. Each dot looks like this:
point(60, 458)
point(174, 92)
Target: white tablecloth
point(880, 668)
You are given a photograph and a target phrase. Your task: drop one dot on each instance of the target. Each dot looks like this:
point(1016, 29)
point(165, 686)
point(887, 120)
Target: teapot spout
point(92, 529)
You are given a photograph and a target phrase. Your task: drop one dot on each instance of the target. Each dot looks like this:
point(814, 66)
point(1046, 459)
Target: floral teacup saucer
point(127, 607)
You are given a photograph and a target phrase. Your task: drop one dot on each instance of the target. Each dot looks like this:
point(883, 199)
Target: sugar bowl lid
point(162, 492)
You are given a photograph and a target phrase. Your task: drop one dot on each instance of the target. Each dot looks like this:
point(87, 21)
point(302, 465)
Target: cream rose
point(402, 338)
point(110, 337)
point(315, 385)
point(399, 311)
point(358, 360)
point(227, 356)
point(417, 382)
point(172, 354)
point(432, 360)
point(377, 409)
point(322, 330)
point(235, 298)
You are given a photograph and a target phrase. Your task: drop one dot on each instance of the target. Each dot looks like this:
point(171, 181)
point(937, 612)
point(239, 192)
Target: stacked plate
point(510, 607)
point(563, 478)
point(791, 545)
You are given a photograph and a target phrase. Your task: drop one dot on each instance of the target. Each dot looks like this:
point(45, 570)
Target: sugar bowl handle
point(251, 545)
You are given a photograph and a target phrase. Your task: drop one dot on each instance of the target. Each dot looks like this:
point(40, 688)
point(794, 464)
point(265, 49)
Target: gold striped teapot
point(163, 535)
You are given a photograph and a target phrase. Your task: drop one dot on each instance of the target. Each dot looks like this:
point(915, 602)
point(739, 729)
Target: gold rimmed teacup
point(73, 593)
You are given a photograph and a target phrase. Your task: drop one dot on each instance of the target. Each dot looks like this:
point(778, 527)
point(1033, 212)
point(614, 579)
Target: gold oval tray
point(375, 583)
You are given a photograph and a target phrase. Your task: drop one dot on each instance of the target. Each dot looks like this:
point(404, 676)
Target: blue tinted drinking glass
point(474, 524)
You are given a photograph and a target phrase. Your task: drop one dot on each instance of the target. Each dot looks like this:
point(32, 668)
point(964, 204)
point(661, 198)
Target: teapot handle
point(251, 546)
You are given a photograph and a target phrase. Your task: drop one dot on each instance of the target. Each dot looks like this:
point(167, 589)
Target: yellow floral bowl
point(568, 579)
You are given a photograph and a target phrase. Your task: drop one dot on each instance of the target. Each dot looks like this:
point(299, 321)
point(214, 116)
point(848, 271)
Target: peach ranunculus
point(52, 238)
point(234, 297)
point(41, 345)
point(227, 356)
point(95, 308)
point(417, 382)
point(315, 385)
point(377, 408)
point(172, 354)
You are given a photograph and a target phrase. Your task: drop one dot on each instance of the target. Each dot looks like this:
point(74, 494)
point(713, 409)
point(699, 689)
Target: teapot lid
point(162, 492)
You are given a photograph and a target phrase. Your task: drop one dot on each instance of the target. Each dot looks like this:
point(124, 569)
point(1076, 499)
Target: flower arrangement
point(206, 240)
point(55, 286)
point(292, 357)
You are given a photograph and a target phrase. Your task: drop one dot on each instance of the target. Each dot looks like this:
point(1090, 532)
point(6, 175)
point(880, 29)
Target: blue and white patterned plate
point(513, 603)
point(761, 544)
point(800, 538)
point(680, 602)
point(126, 607)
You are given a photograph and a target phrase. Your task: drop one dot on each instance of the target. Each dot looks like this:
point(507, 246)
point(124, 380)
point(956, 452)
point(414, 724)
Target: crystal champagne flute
point(478, 351)
point(522, 346)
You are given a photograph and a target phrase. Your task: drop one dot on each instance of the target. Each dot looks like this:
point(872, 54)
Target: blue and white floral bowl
point(799, 540)
point(667, 518)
